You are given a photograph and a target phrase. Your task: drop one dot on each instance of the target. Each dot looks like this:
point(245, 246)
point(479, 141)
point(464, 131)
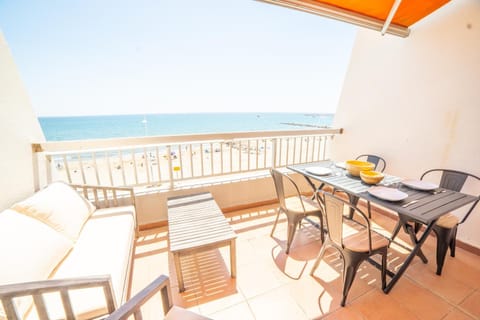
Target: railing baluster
point(67, 168)
point(109, 166)
point(274, 152)
point(122, 166)
point(280, 145)
point(48, 167)
point(308, 149)
point(301, 150)
point(324, 147)
point(256, 154)
point(134, 162)
point(190, 155)
point(80, 164)
point(221, 157)
point(211, 159)
point(248, 154)
point(95, 167)
point(239, 155)
point(319, 142)
point(157, 154)
point(201, 160)
point(146, 162)
point(265, 142)
point(230, 160)
point(180, 159)
point(294, 157)
point(170, 166)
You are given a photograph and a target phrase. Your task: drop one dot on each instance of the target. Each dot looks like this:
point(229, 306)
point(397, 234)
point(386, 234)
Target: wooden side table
point(195, 224)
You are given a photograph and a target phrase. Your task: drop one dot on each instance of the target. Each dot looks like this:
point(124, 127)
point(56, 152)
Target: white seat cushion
point(104, 247)
point(30, 251)
point(60, 207)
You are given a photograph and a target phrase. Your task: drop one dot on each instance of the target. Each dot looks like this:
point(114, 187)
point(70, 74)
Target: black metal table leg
point(409, 259)
point(354, 201)
point(411, 231)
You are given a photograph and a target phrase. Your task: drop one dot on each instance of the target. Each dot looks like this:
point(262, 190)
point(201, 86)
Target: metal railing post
point(170, 166)
point(274, 152)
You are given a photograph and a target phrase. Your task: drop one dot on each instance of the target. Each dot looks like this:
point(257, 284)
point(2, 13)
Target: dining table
point(415, 208)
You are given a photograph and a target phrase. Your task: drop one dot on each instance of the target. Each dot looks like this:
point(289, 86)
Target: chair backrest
point(453, 180)
point(279, 179)
point(334, 208)
point(379, 162)
point(334, 216)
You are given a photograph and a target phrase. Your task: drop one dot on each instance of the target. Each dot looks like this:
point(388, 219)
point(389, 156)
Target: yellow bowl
point(371, 177)
point(355, 166)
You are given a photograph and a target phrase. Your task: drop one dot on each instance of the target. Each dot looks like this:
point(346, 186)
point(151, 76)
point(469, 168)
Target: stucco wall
point(18, 129)
point(152, 205)
point(416, 101)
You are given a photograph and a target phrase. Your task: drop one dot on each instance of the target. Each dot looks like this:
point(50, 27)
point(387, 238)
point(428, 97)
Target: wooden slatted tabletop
point(196, 223)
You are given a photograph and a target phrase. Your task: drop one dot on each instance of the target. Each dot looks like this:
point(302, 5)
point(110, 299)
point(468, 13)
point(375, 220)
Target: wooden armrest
point(37, 288)
point(132, 306)
point(106, 196)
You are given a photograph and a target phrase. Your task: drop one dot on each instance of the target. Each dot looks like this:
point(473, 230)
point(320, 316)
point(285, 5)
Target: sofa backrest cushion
point(30, 251)
point(59, 206)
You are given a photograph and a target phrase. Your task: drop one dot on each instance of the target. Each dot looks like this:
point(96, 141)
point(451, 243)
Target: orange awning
point(387, 16)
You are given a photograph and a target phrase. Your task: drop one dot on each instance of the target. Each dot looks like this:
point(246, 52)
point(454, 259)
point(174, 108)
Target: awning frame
point(343, 15)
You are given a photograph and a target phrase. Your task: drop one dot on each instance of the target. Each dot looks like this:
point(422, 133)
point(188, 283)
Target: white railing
point(164, 160)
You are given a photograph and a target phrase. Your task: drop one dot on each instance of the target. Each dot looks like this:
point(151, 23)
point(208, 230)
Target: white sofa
point(58, 234)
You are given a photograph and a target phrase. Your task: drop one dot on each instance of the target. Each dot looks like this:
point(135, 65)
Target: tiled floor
point(272, 285)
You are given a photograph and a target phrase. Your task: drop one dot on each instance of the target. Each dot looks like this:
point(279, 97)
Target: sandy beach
point(149, 166)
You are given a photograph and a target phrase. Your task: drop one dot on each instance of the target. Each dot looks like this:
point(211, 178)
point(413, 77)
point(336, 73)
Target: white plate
point(342, 165)
point(388, 194)
point(420, 185)
point(319, 171)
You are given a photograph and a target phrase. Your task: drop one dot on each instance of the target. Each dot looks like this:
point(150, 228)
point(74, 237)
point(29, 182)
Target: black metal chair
point(295, 208)
point(379, 162)
point(446, 226)
point(354, 248)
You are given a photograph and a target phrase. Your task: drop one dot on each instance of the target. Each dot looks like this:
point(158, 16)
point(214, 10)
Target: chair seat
point(448, 221)
point(293, 204)
point(177, 313)
point(358, 242)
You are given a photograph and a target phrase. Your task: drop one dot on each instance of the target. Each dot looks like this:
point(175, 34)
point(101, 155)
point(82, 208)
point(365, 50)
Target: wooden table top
point(196, 221)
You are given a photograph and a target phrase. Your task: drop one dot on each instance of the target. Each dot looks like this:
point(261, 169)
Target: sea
point(138, 125)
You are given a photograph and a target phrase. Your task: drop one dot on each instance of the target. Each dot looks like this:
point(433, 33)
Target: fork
point(409, 203)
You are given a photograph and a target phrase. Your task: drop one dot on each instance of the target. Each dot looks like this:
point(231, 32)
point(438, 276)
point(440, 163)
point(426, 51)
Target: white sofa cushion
point(60, 207)
point(30, 250)
point(104, 247)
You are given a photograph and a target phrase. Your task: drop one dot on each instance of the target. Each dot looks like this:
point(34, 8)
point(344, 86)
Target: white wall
point(416, 101)
point(18, 129)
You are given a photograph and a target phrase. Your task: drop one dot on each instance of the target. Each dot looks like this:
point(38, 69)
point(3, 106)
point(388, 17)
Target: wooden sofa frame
point(36, 289)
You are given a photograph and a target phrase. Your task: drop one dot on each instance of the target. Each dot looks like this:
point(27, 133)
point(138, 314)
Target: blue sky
point(119, 57)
